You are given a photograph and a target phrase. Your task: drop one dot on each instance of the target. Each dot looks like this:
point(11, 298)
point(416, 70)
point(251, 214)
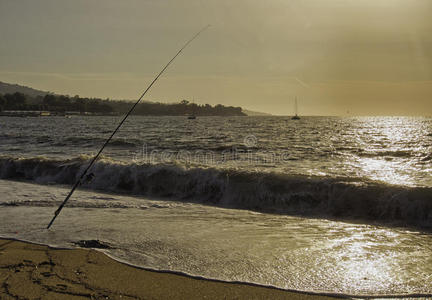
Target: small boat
point(192, 116)
point(296, 116)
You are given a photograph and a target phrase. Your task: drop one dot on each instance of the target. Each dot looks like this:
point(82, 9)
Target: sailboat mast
point(295, 117)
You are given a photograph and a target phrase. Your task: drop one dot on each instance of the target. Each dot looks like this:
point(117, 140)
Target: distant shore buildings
point(37, 113)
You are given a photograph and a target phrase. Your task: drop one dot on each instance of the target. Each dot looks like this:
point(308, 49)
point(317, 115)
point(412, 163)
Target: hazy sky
point(362, 56)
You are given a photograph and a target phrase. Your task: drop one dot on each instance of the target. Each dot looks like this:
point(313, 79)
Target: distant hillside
point(254, 113)
point(7, 88)
point(20, 98)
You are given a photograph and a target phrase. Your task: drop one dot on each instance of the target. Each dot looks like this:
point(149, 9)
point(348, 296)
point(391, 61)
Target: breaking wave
point(395, 153)
point(345, 198)
point(88, 140)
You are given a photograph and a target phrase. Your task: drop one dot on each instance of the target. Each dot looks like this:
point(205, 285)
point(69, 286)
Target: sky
point(339, 57)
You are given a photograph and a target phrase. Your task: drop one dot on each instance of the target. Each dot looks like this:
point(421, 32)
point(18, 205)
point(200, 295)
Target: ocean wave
point(80, 204)
point(346, 198)
point(427, 158)
point(388, 153)
point(82, 140)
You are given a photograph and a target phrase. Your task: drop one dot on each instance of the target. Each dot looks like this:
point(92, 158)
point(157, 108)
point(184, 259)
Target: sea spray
point(259, 191)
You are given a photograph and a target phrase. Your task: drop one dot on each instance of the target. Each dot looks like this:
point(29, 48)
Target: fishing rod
point(79, 181)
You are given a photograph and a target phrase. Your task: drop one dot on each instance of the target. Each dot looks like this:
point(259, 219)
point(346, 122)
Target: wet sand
point(30, 271)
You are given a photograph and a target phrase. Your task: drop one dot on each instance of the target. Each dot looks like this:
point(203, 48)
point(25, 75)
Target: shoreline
point(29, 270)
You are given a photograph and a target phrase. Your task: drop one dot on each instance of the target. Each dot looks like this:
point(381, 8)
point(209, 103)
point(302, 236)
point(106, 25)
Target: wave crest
point(266, 192)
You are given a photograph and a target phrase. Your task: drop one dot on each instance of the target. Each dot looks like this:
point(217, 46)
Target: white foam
point(344, 198)
point(235, 245)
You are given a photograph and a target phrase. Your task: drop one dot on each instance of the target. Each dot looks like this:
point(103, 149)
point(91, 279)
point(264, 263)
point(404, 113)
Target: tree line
point(62, 104)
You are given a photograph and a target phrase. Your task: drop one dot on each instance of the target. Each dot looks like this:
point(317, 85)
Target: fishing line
point(83, 175)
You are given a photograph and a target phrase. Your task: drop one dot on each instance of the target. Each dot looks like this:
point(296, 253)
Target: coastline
point(23, 224)
point(33, 271)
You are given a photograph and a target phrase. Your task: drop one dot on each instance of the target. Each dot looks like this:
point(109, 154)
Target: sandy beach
point(215, 149)
point(30, 271)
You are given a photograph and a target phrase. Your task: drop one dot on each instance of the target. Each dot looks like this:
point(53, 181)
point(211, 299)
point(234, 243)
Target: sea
point(330, 205)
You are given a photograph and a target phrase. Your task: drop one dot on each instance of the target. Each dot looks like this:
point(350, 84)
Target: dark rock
point(92, 244)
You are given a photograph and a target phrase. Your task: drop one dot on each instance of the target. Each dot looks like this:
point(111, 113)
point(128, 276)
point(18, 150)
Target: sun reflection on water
point(389, 150)
point(367, 260)
point(388, 171)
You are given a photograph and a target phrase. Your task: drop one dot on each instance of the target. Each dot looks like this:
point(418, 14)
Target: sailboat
point(296, 117)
